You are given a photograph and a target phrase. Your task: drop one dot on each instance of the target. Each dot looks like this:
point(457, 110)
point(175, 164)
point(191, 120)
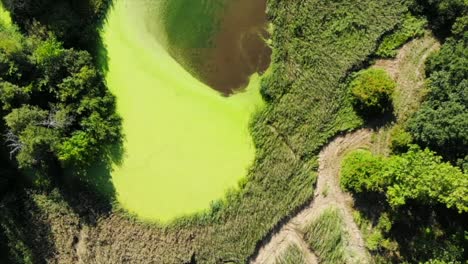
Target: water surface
point(185, 143)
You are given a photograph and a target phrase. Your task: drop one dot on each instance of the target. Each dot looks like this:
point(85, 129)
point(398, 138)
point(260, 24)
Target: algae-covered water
point(185, 143)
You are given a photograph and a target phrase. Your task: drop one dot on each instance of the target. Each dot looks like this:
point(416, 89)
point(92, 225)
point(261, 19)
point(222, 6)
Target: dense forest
point(57, 115)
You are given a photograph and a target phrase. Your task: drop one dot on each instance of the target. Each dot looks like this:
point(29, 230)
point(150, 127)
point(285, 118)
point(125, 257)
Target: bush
point(361, 172)
point(442, 14)
point(417, 175)
point(371, 90)
point(400, 140)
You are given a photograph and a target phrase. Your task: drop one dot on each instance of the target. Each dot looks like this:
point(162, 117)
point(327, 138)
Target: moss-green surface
point(185, 144)
point(5, 18)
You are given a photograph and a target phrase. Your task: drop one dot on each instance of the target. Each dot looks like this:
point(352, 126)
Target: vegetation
point(415, 175)
point(327, 238)
point(442, 14)
point(371, 91)
point(411, 182)
point(55, 105)
point(442, 121)
point(55, 113)
point(421, 194)
point(419, 205)
point(292, 255)
point(411, 27)
point(316, 45)
point(73, 22)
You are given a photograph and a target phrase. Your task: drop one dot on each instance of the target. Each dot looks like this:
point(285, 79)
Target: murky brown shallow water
point(236, 50)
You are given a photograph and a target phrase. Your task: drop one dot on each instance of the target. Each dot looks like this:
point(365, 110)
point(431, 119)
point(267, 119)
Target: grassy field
point(185, 144)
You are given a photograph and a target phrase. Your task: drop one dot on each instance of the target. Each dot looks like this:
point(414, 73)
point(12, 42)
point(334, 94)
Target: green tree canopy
point(371, 91)
point(442, 121)
point(418, 175)
point(54, 102)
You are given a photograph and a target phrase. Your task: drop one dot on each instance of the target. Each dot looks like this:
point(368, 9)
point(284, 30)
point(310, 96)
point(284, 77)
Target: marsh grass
point(327, 238)
point(292, 255)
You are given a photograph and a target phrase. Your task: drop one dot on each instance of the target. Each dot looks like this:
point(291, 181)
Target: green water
point(185, 144)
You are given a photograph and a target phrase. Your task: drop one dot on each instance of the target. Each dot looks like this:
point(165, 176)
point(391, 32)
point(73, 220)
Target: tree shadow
point(23, 228)
point(89, 191)
point(422, 231)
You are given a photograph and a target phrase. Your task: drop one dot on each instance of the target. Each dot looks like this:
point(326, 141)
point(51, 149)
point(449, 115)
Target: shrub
point(371, 91)
point(417, 175)
point(361, 172)
point(400, 140)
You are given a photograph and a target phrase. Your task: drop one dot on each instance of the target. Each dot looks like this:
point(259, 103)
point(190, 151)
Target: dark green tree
point(442, 121)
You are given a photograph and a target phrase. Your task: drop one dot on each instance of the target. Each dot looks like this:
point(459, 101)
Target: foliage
point(50, 97)
point(442, 121)
point(316, 44)
point(411, 27)
point(418, 175)
point(361, 172)
point(74, 22)
point(411, 234)
point(442, 14)
point(327, 237)
point(292, 255)
point(371, 90)
point(418, 204)
point(400, 139)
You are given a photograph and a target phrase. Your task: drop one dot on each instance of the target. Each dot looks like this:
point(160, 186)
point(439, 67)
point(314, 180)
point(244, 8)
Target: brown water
point(236, 50)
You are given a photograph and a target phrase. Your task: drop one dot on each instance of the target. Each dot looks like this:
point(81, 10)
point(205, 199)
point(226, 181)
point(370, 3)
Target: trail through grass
point(185, 144)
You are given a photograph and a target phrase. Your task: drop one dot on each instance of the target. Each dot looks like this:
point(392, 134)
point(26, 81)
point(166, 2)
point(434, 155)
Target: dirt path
point(327, 193)
point(80, 247)
point(407, 69)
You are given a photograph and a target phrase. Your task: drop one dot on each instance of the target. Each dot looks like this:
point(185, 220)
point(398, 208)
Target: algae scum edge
point(185, 144)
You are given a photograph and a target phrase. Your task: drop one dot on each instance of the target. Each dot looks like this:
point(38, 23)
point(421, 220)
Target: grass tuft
point(327, 237)
point(292, 255)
